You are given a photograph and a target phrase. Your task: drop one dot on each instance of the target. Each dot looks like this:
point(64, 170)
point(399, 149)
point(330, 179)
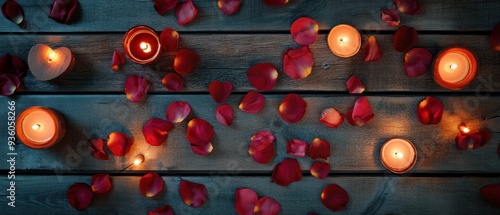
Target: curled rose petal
point(263, 76)
point(162, 6)
point(373, 52)
point(117, 60)
point(9, 83)
point(193, 194)
point(12, 64)
point(417, 62)
point(491, 194)
point(164, 210)
point(334, 197)
point(320, 169)
point(62, 10)
point(274, 3)
point(169, 39)
point(119, 143)
point(229, 7)
point(293, 108)
point(151, 184)
point(495, 37)
point(97, 147)
point(430, 111)
point(173, 82)
point(79, 196)
point(136, 88)
point(156, 130)
point(390, 16)
point(261, 147)
point(286, 172)
point(220, 90)
point(354, 85)
point(410, 7)
point(304, 31)
point(361, 114)
point(246, 199)
point(224, 114)
point(331, 118)
point(13, 11)
point(186, 61)
point(473, 139)
point(267, 206)
point(298, 63)
point(319, 149)
point(296, 148)
point(252, 103)
point(100, 183)
point(405, 38)
point(185, 12)
point(178, 111)
point(199, 134)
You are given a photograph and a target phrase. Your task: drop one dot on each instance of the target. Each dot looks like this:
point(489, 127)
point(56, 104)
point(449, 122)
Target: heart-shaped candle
point(47, 64)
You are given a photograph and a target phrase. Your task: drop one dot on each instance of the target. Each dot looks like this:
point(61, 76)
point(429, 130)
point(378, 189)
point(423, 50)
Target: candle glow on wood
point(141, 44)
point(455, 68)
point(398, 155)
point(344, 40)
point(463, 129)
point(139, 159)
point(39, 127)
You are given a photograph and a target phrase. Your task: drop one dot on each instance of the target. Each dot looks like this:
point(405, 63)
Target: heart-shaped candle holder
point(47, 64)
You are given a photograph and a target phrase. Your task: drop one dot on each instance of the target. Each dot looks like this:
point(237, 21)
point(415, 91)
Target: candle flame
point(145, 47)
point(463, 129)
point(139, 159)
point(52, 55)
point(36, 126)
point(453, 66)
point(398, 154)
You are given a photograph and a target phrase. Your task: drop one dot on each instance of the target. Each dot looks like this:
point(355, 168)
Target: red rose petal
point(319, 149)
point(8, 84)
point(473, 139)
point(246, 199)
point(252, 103)
point(224, 114)
point(185, 12)
point(164, 210)
point(354, 85)
point(97, 147)
point(274, 3)
point(417, 62)
point(296, 148)
point(100, 183)
point(151, 184)
point(267, 206)
point(136, 88)
point(405, 38)
point(430, 111)
point(390, 16)
point(199, 134)
point(186, 61)
point(286, 172)
point(169, 39)
point(119, 143)
point(261, 147)
point(193, 194)
point(117, 60)
point(12, 64)
point(361, 114)
point(411, 7)
point(229, 7)
point(331, 118)
point(162, 6)
point(320, 169)
point(373, 52)
point(79, 196)
point(13, 11)
point(304, 31)
point(495, 37)
point(173, 82)
point(178, 111)
point(62, 10)
point(263, 76)
point(220, 90)
point(293, 108)
point(298, 63)
point(156, 130)
point(491, 194)
point(334, 197)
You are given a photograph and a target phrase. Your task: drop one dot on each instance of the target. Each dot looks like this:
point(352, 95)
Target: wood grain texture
point(353, 149)
point(112, 16)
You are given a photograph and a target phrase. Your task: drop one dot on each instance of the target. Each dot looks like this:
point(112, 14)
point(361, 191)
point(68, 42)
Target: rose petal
point(229, 7)
point(361, 114)
point(173, 82)
point(417, 62)
point(331, 118)
point(8, 84)
point(274, 3)
point(186, 61)
point(430, 111)
point(319, 149)
point(97, 147)
point(62, 10)
point(261, 147)
point(151, 184)
point(162, 6)
point(117, 60)
point(136, 88)
point(100, 183)
point(263, 76)
point(405, 38)
point(220, 90)
point(293, 108)
point(286, 172)
point(373, 52)
point(298, 63)
point(119, 143)
point(156, 130)
point(411, 7)
point(354, 85)
point(13, 11)
point(193, 194)
point(491, 194)
point(12, 64)
point(169, 39)
point(199, 134)
point(79, 196)
point(472, 140)
point(390, 16)
point(252, 103)
point(334, 197)
point(185, 12)
point(296, 148)
point(495, 37)
point(164, 210)
point(224, 114)
point(320, 169)
point(267, 206)
point(304, 31)
point(245, 202)
point(178, 111)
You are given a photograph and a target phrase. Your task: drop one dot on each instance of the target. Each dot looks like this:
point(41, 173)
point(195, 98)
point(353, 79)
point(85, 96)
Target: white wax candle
point(454, 67)
point(344, 40)
point(398, 155)
point(39, 126)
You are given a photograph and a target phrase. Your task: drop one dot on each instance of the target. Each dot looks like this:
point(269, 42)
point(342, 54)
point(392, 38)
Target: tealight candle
point(344, 40)
point(398, 155)
point(141, 44)
point(40, 127)
point(455, 68)
point(48, 64)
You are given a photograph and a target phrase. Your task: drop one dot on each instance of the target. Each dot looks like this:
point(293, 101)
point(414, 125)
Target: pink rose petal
point(331, 118)
point(245, 202)
point(178, 111)
point(267, 206)
point(100, 183)
point(261, 147)
point(185, 12)
point(224, 114)
point(229, 7)
point(173, 82)
point(390, 16)
point(193, 194)
point(354, 85)
point(304, 31)
point(136, 88)
point(361, 114)
point(117, 60)
point(296, 148)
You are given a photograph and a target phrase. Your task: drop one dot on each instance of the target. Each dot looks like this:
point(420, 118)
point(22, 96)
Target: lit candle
point(398, 155)
point(455, 68)
point(40, 127)
point(344, 40)
point(47, 64)
point(141, 44)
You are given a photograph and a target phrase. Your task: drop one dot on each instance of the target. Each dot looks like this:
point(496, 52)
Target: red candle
point(455, 68)
point(141, 44)
point(40, 127)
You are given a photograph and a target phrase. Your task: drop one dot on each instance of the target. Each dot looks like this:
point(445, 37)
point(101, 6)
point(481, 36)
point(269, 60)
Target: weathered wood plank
point(354, 149)
point(106, 16)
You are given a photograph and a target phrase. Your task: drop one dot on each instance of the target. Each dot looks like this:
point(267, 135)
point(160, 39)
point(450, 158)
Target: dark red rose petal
point(97, 147)
point(117, 60)
point(261, 147)
point(320, 169)
point(164, 210)
point(252, 103)
point(390, 16)
point(361, 114)
point(286, 172)
point(334, 197)
point(173, 82)
point(169, 39)
point(430, 111)
point(136, 88)
point(304, 31)
point(491, 194)
point(178, 111)
point(417, 62)
point(354, 85)
point(185, 12)
point(156, 130)
point(319, 149)
point(263, 76)
point(274, 3)
point(331, 118)
point(293, 108)
point(186, 61)
point(13, 11)
point(119, 143)
point(12, 64)
point(162, 6)
point(373, 52)
point(199, 134)
point(296, 148)
point(405, 38)
point(495, 37)
point(267, 206)
point(224, 114)
point(193, 194)
point(220, 90)
point(410, 7)
point(473, 139)
point(62, 10)
point(151, 184)
point(9, 83)
point(246, 199)
point(298, 63)
point(80, 196)
point(100, 183)
point(229, 7)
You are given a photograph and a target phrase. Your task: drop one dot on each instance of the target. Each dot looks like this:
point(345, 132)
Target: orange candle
point(344, 40)
point(455, 68)
point(141, 44)
point(40, 127)
point(398, 155)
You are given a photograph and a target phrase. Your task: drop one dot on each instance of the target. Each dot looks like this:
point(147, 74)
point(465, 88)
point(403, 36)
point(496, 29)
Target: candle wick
point(399, 155)
point(453, 66)
point(36, 126)
point(145, 47)
point(344, 39)
point(52, 55)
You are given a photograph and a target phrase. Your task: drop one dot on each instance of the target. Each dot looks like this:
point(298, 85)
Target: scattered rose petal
point(267, 206)
point(473, 139)
point(12, 64)
point(151, 184)
point(119, 143)
point(262, 147)
point(390, 16)
point(186, 61)
point(193, 194)
point(361, 114)
point(293, 108)
point(169, 39)
point(173, 82)
point(331, 118)
point(263, 76)
point(319, 149)
point(373, 52)
point(162, 6)
point(80, 196)
point(178, 111)
point(100, 183)
point(354, 85)
point(430, 111)
point(97, 147)
point(252, 103)
point(246, 199)
point(9, 83)
point(185, 12)
point(117, 60)
point(274, 3)
point(296, 148)
point(410, 7)
point(156, 130)
point(199, 134)
point(164, 210)
point(286, 172)
point(224, 114)
point(304, 31)
point(220, 90)
point(136, 88)
point(405, 38)
point(62, 10)
point(320, 169)
point(492, 194)
point(334, 197)
point(417, 62)
point(13, 11)
point(298, 63)
point(229, 7)
point(495, 37)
